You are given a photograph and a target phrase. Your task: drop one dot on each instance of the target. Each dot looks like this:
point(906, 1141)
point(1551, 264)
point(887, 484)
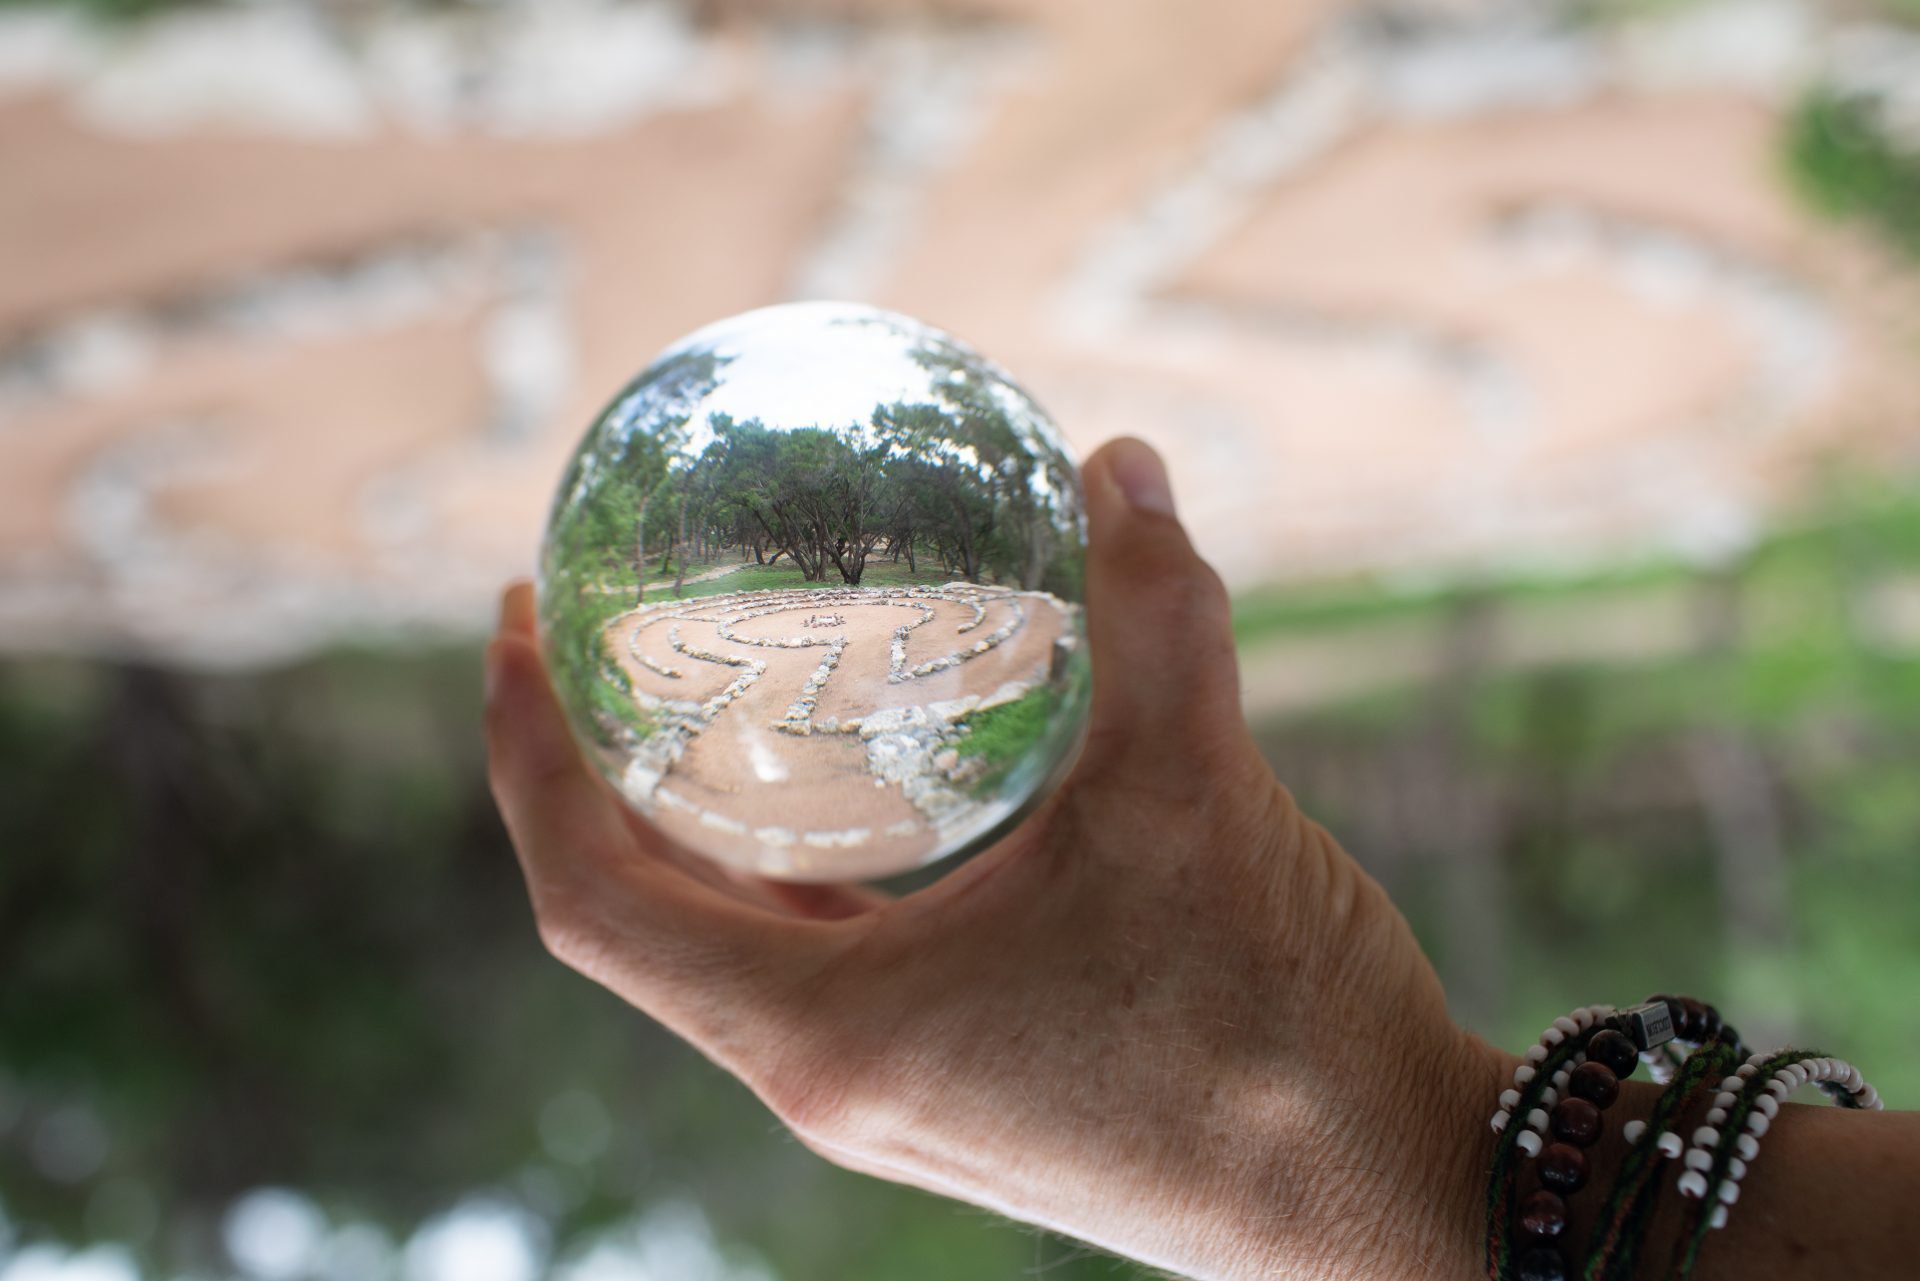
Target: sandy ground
point(755, 792)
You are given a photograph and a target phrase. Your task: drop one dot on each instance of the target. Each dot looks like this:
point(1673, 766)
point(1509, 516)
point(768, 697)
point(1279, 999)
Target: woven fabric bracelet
point(1716, 1046)
point(1622, 1228)
point(1724, 1146)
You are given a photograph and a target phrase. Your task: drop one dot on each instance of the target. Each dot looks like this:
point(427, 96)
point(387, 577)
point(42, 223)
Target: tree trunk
point(680, 550)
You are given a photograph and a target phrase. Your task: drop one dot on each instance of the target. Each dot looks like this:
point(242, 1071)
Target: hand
point(1168, 1015)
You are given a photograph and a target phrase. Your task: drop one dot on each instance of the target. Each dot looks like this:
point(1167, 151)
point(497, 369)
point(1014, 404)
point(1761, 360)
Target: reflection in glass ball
point(811, 594)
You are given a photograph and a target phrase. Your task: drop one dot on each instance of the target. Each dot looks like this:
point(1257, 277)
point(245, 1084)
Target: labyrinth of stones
point(809, 730)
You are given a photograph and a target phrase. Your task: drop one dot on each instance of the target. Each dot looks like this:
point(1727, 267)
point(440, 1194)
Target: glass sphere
point(810, 593)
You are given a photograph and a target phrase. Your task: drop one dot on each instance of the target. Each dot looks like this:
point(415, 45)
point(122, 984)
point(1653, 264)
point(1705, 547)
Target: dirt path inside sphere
point(780, 773)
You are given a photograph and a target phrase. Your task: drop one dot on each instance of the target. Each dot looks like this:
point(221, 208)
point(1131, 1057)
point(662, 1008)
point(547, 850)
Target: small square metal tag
point(1649, 1025)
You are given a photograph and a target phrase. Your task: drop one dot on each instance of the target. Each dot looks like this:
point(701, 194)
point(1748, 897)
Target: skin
point(1168, 1016)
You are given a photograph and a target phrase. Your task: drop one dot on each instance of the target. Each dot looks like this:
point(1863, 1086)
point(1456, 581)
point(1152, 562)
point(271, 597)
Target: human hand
point(1168, 1015)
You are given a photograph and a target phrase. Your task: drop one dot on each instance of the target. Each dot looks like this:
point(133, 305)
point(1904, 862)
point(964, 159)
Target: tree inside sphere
point(811, 594)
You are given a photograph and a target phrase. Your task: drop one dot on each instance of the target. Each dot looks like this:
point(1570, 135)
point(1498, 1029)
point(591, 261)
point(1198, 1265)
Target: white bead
point(1633, 1130)
point(1583, 1017)
point(1779, 1089)
point(1537, 1120)
point(1524, 1074)
point(1729, 1192)
point(1693, 1184)
point(1746, 1071)
point(1561, 1078)
point(1768, 1104)
point(1552, 1036)
point(1724, 1099)
point(1870, 1098)
point(1719, 1217)
point(1716, 1116)
point(1669, 1144)
point(1528, 1142)
point(1705, 1137)
point(1854, 1080)
point(1796, 1073)
point(1566, 1025)
point(1536, 1054)
point(1737, 1169)
point(1822, 1069)
point(1747, 1146)
point(1700, 1159)
point(1755, 1060)
point(1757, 1123)
point(1509, 1099)
point(1500, 1120)
point(1549, 1097)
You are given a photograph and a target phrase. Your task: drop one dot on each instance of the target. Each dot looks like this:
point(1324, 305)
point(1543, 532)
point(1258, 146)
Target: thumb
point(1164, 672)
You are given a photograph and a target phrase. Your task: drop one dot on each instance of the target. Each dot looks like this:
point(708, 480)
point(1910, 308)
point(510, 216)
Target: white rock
point(952, 709)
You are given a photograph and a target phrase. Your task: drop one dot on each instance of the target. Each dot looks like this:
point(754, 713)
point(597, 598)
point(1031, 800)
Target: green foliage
point(1576, 787)
point(267, 929)
point(1844, 161)
point(583, 667)
point(117, 10)
point(1004, 736)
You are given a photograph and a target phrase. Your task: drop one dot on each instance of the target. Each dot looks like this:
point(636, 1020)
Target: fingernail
point(1142, 478)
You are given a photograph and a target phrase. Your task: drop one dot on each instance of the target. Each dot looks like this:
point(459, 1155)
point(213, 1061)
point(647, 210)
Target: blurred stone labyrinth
point(301, 306)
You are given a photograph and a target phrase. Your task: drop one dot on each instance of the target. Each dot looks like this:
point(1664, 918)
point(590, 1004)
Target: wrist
point(1385, 1182)
point(1456, 1156)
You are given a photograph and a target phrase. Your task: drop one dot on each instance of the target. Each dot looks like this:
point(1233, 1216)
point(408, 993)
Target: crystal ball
point(811, 594)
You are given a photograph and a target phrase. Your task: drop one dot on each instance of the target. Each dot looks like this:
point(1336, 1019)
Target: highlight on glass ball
point(811, 591)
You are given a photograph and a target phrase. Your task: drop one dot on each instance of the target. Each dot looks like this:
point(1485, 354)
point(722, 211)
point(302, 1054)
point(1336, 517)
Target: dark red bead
point(1594, 1082)
point(1542, 1263)
point(1543, 1217)
point(1615, 1051)
point(1562, 1167)
point(1575, 1121)
point(1692, 1024)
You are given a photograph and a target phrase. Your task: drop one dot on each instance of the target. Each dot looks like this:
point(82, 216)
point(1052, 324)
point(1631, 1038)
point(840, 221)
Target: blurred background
point(1541, 375)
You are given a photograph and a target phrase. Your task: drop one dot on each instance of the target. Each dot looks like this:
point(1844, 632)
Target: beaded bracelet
point(1587, 1053)
point(1729, 1140)
point(1583, 1056)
